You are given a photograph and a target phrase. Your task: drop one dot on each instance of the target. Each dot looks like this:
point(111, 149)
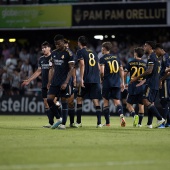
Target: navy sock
point(50, 116)
point(150, 117)
point(71, 113)
point(168, 116)
point(64, 112)
point(98, 113)
point(119, 109)
point(132, 113)
point(53, 108)
point(165, 109)
point(106, 113)
point(154, 111)
point(79, 112)
point(140, 118)
point(59, 112)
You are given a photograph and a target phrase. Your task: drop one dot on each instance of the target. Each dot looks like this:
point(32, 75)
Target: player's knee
point(50, 102)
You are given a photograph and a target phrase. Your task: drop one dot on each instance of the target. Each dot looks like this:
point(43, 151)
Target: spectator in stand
point(33, 59)
point(26, 70)
point(5, 82)
point(15, 82)
point(23, 54)
point(11, 63)
point(5, 52)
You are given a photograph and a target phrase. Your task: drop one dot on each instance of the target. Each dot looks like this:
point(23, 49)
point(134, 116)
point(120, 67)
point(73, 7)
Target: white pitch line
point(68, 165)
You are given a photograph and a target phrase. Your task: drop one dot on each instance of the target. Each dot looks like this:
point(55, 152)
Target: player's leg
point(80, 93)
point(49, 114)
point(116, 95)
point(95, 95)
point(106, 111)
point(164, 93)
point(140, 114)
point(148, 99)
point(71, 110)
point(52, 93)
point(47, 110)
point(64, 104)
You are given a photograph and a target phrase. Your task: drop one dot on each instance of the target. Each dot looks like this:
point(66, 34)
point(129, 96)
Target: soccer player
point(136, 67)
point(89, 77)
point(62, 62)
point(112, 76)
point(43, 68)
point(152, 84)
point(164, 91)
point(71, 105)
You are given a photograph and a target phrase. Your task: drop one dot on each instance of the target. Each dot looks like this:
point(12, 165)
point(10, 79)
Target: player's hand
point(160, 84)
point(63, 86)
point(122, 86)
point(25, 83)
point(82, 83)
point(133, 80)
point(126, 86)
point(141, 83)
point(48, 86)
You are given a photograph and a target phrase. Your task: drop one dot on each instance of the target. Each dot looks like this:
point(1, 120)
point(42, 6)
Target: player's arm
point(125, 78)
point(50, 75)
point(102, 66)
point(34, 76)
point(122, 78)
point(167, 74)
point(82, 67)
point(147, 72)
point(74, 77)
point(69, 75)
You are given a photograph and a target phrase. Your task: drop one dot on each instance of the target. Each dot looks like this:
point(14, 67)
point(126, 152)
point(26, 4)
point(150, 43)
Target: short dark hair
point(66, 41)
point(45, 43)
point(83, 40)
point(158, 45)
point(151, 43)
point(139, 51)
point(107, 45)
point(59, 37)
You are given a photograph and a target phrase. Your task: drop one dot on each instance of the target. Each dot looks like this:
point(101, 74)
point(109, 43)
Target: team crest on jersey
point(62, 56)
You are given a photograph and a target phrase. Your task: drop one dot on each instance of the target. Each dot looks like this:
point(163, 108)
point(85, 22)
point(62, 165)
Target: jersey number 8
point(92, 61)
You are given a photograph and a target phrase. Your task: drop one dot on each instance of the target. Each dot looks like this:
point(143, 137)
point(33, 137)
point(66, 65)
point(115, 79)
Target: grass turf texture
point(25, 145)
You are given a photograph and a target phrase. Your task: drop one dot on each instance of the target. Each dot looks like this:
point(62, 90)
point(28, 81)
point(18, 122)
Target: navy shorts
point(90, 91)
point(150, 94)
point(56, 90)
point(164, 93)
point(135, 99)
point(44, 92)
point(111, 93)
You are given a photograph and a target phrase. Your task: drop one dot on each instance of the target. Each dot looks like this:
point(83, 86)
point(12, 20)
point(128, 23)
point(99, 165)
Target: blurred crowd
point(18, 62)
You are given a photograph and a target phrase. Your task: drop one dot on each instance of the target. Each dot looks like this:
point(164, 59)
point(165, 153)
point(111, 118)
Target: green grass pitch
point(25, 145)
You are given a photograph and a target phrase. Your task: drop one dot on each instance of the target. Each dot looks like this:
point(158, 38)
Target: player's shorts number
point(114, 66)
point(137, 71)
point(92, 61)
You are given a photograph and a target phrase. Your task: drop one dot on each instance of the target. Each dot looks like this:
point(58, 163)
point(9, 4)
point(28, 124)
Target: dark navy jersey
point(43, 63)
point(112, 66)
point(165, 63)
point(135, 68)
point(61, 60)
point(91, 72)
point(153, 79)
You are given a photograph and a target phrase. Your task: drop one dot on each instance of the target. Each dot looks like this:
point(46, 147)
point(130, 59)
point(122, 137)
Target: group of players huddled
point(102, 78)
